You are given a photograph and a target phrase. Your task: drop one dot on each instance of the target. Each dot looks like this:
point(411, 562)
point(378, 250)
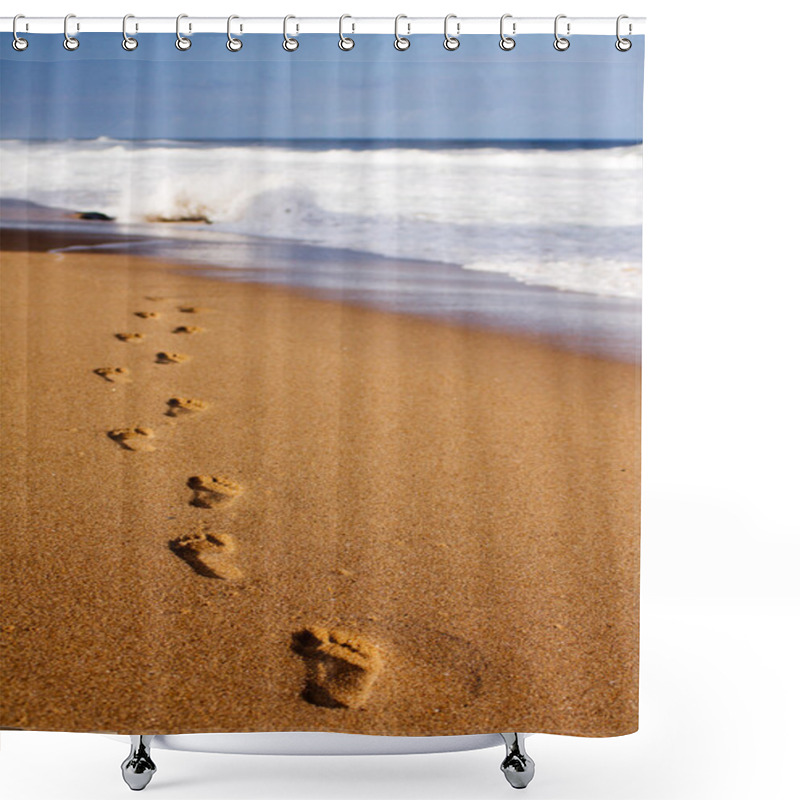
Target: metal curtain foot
point(517, 766)
point(138, 768)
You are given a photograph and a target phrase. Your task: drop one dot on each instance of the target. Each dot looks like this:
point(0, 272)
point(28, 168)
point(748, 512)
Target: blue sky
point(591, 91)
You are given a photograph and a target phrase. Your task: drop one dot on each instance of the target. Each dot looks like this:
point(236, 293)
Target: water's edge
point(608, 327)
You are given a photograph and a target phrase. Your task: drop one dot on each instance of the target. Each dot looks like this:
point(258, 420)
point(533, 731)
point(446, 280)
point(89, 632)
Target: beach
point(274, 511)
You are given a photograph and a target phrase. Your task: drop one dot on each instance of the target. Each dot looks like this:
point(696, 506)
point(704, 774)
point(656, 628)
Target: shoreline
point(391, 473)
point(42, 240)
point(574, 321)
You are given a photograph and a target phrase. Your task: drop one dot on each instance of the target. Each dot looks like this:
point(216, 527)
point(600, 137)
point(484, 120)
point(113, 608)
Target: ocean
point(539, 237)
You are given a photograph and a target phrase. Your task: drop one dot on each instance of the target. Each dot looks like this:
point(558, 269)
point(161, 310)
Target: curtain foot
point(517, 766)
point(138, 768)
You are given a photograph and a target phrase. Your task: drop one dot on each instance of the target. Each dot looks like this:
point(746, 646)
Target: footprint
point(184, 405)
point(193, 309)
point(114, 374)
point(171, 358)
point(341, 666)
point(147, 314)
point(211, 491)
point(137, 438)
point(209, 554)
point(130, 337)
point(188, 329)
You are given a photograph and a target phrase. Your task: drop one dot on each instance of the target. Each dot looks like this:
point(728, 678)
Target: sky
point(478, 92)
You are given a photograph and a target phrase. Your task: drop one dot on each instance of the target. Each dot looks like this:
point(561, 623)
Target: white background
point(720, 599)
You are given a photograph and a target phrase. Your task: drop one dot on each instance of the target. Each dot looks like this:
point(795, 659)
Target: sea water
point(540, 237)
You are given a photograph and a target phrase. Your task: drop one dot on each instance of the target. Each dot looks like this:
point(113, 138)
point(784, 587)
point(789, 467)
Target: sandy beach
point(232, 507)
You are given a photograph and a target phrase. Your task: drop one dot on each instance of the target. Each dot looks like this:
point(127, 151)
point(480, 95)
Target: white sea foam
point(568, 219)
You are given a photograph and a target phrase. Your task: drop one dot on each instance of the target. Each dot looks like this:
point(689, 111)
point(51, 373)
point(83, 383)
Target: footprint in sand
point(341, 666)
point(193, 309)
point(114, 374)
point(131, 338)
point(171, 358)
point(211, 491)
point(188, 329)
point(184, 405)
point(147, 314)
point(209, 554)
point(136, 438)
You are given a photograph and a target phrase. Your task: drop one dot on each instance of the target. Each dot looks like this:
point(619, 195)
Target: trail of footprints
point(341, 666)
point(138, 438)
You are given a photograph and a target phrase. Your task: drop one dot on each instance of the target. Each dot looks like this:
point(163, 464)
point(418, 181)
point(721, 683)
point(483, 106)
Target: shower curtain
point(320, 385)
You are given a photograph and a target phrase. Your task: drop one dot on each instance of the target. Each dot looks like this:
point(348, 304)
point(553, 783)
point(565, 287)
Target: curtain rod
point(299, 25)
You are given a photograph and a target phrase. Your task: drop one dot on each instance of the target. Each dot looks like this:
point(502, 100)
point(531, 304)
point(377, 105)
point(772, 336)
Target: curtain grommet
point(290, 44)
point(70, 42)
point(233, 44)
point(451, 43)
point(18, 43)
point(561, 43)
point(345, 42)
point(507, 42)
point(129, 43)
point(401, 43)
point(182, 42)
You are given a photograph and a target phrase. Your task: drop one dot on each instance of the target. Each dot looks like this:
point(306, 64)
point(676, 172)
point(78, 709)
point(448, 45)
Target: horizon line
point(251, 139)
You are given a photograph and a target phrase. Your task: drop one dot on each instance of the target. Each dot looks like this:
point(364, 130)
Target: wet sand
point(231, 507)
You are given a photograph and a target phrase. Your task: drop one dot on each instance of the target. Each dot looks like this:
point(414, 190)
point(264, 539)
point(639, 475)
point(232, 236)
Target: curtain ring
point(561, 43)
point(623, 45)
point(18, 42)
point(401, 42)
point(233, 44)
point(451, 42)
point(128, 42)
point(507, 42)
point(70, 42)
point(345, 43)
point(290, 44)
point(181, 42)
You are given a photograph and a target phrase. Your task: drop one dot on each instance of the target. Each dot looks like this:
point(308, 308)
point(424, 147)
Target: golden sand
point(312, 517)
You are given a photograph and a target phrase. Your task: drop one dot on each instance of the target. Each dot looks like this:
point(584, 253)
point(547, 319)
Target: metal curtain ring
point(128, 42)
point(233, 44)
point(345, 43)
point(451, 42)
point(181, 41)
point(70, 42)
point(18, 43)
point(561, 43)
point(623, 45)
point(507, 42)
point(401, 42)
point(289, 43)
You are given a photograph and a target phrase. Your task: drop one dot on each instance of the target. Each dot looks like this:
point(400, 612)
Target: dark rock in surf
point(94, 215)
